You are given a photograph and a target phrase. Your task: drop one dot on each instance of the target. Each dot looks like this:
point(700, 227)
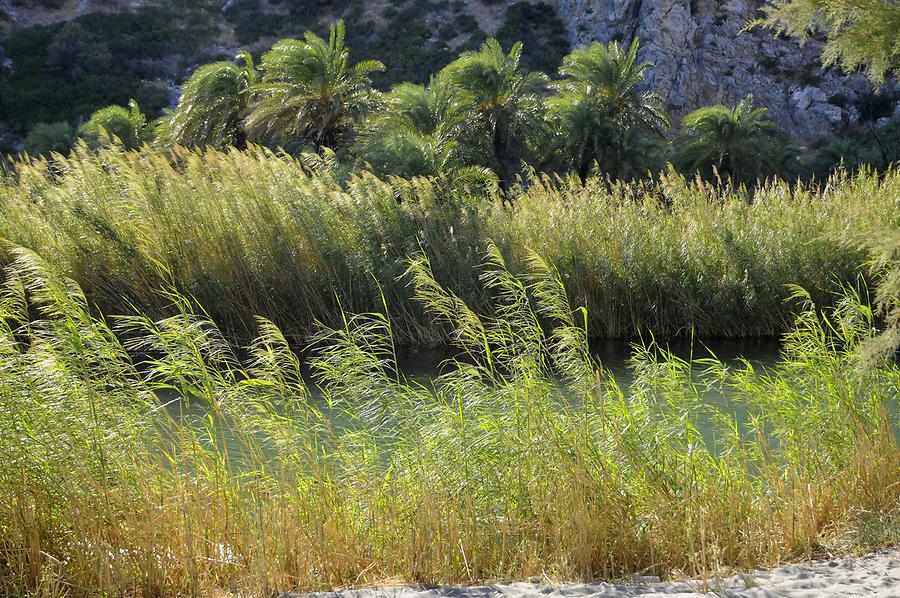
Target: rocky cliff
point(703, 55)
point(701, 52)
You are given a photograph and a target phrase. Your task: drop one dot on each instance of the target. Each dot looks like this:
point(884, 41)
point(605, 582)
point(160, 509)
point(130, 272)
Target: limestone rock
point(703, 54)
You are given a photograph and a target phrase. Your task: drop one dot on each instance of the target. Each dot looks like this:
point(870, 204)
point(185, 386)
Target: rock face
point(700, 51)
point(703, 56)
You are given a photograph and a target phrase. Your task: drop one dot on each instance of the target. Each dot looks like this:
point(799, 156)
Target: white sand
point(876, 574)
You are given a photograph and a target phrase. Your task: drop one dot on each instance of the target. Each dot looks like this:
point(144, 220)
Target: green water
point(614, 356)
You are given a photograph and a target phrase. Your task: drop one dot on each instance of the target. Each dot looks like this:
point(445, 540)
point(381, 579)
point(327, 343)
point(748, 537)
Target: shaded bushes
point(67, 71)
point(543, 30)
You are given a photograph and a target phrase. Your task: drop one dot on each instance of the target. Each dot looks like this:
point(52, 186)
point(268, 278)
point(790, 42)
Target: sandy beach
point(875, 574)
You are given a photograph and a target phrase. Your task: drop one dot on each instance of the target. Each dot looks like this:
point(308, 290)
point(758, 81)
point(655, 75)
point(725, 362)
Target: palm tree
point(127, 125)
point(418, 132)
point(741, 142)
point(403, 152)
point(503, 100)
point(602, 115)
point(213, 103)
point(426, 109)
point(310, 93)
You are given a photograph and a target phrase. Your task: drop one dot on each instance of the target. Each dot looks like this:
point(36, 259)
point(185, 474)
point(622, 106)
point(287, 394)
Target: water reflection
point(614, 356)
point(424, 365)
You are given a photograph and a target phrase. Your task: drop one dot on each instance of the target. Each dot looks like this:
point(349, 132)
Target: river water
point(423, 365)
point(615, 355)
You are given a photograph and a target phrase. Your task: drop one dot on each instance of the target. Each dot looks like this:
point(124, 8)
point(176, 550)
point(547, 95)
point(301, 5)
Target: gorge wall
point(703, 55)
point(701, 51)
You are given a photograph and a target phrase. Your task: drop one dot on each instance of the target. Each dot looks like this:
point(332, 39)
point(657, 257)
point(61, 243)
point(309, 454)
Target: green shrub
point(44, 138)
point(866, 147)
point(149, 32)
point(74, 53)
point(839, 99)
point(446, 32)
point(466, 23)
point(67, 71)
point(51, 4)
point(770, 64)
point(542, 32)
point(811, 76)
point(404, 46)
point(153, 98)
point(126, 126)
point(875, 106)
point(251, 23)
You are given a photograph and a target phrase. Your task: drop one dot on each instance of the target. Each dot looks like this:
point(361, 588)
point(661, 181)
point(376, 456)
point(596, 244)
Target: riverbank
point(524, 457)
point(252, 233)
point(876, 575)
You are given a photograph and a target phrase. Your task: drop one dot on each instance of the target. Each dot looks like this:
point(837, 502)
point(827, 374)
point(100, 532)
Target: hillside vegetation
point(60, 61)
point(64, 64)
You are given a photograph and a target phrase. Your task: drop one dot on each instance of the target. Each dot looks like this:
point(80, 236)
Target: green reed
point(524, 459)
point(255, 233)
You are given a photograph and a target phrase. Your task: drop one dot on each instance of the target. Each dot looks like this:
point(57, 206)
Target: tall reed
point(525, 458)
point(249, 233)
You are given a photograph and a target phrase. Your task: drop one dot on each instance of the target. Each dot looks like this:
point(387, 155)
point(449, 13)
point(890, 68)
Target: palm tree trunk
point(584, 169)
point(500, 157)
point(240, 138)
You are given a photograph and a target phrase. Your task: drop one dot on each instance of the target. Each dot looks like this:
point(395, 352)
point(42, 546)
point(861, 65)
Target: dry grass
point(498, 471)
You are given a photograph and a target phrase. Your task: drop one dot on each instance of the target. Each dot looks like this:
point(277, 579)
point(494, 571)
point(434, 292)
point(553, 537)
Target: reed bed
point(524, 459)
point(255, 233)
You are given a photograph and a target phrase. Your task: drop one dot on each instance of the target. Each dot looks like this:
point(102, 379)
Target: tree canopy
point(739, 142)
point(485, 116)
point(601, 111)
point(310, 93)
point(503, 99)
point(420, 131)
point(126, 125)
point(859, 33)
point(213, 104)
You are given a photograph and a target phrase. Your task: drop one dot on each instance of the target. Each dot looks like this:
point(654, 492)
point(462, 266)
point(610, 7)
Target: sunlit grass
point(525, 458)
point(252, 233)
